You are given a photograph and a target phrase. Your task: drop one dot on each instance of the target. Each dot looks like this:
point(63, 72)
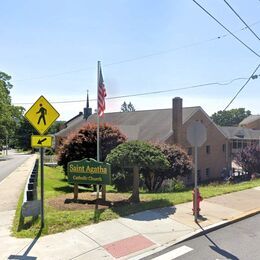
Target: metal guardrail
point(31, 205)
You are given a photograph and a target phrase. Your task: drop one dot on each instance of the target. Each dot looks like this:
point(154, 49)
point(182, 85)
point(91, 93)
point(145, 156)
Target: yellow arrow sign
point(41, 140)
point(41, 115)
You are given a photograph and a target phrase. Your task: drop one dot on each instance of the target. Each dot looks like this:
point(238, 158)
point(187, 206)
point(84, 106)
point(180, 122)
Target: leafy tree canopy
point(136, 155)
point(230, 117)
point(249, 159)
point(4, 79)
point(23, 134)
point(56, 127)
point(24, 131)
point(180, 165)
point(83, 144)
point(9, 115)
point(127, 107)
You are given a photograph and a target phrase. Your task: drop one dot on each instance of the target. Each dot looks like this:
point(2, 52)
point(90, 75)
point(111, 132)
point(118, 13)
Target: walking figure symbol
point(42, 111)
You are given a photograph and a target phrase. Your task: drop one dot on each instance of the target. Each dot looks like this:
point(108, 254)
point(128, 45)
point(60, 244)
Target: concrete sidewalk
point(131, 237)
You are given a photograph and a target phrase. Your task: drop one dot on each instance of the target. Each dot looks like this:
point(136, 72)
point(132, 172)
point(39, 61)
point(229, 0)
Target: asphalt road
point(240, 240)
point(9, 163)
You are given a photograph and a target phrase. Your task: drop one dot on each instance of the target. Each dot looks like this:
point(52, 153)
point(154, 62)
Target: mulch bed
point(87, 200)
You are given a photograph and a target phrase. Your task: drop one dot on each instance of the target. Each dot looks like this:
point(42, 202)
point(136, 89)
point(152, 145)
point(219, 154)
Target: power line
point(136, 58)
point(241, 19)
point(251, 77)
point(151, 92)
point(127, 60)
point(215, 19)
point(54, 75)
point(250, 25)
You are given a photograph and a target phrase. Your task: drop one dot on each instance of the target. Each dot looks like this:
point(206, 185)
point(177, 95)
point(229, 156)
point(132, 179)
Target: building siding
point(217, 159)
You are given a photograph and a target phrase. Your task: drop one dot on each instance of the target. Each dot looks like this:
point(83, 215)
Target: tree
point(9, 115)
point(127, 107)
point(56, 127)
point(83, 144)
point(5, 105)
point(249, 159)
point(180, 165)
point(23, 134)
point(230, 117)
point(5, 79)
point(133, 156)
point(24, 131)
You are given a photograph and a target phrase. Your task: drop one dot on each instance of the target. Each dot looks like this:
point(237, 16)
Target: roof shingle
point(152, 125)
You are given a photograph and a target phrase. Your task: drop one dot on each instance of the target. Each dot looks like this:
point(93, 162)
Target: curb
point(222, 224)
point(195, 234)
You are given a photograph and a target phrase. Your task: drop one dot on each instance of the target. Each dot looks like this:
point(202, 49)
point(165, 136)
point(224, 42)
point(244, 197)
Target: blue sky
point(51, 48)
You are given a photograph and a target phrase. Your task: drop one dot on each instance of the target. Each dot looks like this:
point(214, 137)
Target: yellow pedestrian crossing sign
point(41, 140)
point(41, 115)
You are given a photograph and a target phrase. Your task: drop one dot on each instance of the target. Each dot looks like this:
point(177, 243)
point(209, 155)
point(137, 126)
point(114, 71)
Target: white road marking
point(174, 253)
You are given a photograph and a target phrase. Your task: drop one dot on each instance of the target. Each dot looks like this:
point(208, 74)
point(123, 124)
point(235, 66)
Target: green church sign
point(89, 172)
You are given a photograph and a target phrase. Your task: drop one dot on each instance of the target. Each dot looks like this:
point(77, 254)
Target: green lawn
point(58, 220)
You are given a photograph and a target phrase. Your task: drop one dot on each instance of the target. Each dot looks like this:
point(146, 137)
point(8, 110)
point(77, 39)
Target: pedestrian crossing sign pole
point(41, 116)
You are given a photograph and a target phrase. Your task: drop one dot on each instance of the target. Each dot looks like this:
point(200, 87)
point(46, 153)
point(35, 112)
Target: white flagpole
point(98, 70)
point(98, 158)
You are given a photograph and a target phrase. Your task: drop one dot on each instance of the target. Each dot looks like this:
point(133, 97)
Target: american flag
point(101, 94)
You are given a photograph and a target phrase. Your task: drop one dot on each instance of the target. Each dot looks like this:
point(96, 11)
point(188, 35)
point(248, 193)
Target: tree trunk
point(104, 191)
point(159, 184)
point(147, 181)
point(76, 191)
point(135, 193)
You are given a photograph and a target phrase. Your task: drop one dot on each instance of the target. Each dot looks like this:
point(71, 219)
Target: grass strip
point(61, 220)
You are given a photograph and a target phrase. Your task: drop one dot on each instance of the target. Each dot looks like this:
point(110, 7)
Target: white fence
point(50, 160)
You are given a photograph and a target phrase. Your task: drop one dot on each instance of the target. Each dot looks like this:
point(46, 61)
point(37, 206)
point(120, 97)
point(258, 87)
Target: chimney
point(177, 119)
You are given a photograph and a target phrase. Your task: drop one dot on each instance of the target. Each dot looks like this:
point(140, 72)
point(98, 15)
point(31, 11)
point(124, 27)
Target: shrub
point(83, 144)
point(249, 159)
point(172, 185)
point(133, 156)
point(123, 181)
point(180, 165)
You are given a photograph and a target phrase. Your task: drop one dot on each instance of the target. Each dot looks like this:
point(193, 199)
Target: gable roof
point(233, 132)
point(72, 125)
point(249, 119)
point(152, 125)
point(73, 119)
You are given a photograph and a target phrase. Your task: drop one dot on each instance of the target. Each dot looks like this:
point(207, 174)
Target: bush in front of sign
point(83, 143)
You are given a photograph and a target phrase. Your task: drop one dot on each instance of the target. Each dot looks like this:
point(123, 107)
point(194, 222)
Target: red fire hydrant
point(199, 199)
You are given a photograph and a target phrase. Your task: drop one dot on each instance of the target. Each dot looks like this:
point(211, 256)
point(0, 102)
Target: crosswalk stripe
point(174, 253)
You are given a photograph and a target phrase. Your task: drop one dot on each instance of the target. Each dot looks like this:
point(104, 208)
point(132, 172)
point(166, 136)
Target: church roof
point(234, 132)
point(249, 119)
point(152, 125)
